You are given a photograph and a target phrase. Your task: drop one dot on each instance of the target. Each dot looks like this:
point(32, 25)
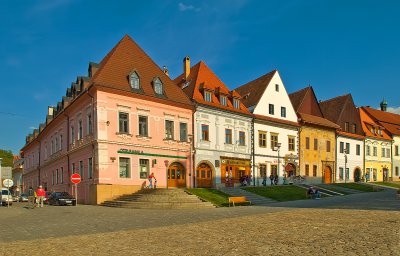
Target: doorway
point(327, 175)
point(176, 175)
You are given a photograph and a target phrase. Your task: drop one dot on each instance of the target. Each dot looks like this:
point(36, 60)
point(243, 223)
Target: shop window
point(144, 168)
point(124, 167)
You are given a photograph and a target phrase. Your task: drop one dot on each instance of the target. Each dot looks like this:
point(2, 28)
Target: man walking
point(40, 196)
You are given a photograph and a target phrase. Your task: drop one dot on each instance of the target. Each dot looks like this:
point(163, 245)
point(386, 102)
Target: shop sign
point(125, 150)
point(236, 162)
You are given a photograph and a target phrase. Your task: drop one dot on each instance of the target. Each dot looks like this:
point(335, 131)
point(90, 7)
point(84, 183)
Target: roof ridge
point(334, 98)
point(258, 78)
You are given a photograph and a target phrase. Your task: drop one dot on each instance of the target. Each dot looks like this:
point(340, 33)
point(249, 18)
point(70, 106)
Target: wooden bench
point(238, 199)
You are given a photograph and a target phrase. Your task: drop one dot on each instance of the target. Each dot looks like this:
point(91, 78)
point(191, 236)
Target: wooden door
point(204, 176)
point(327, 175)
point(176, 175)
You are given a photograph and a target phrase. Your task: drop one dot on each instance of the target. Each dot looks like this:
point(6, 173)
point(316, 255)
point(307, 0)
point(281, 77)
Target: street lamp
point(345, 165)
point(277, 147)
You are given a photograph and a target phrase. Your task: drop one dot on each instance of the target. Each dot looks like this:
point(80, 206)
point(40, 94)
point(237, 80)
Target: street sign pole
point(76, 179)
point(76, 194)
point(8, 195)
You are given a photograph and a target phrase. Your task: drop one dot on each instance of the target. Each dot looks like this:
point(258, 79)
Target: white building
point(222, 129)
point(275, 128)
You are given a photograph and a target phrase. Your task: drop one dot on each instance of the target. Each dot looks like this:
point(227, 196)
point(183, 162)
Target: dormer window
point(236, 103)
point(207, 96)
point(158, 86)
point(222, 99)
point(134, 80)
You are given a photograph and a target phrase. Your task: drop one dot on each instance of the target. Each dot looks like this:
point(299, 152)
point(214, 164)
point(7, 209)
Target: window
point(222, 99)
point(368, 150)
point(347, 174)
point(52, 146)
point(134, 81)
point(123, 123)
point(315, 144)
point(383, 152)
point(346, 126)
point(236, 103)
point(347, 148)
point(388, 152)
point(262, 139)
point(274, 140)
point(271, 109)
point(277, 87)
point(396, 150)
point(358, 149)
point(354, 128)
point(307, 142)
point(340, 173)
point(314, 171)
point(228, 136)
point(263, 171)
point(144, 168)
point(291, 143)
point(396, 171)
point(81, 169)
point(328, 146)
point(283, 112)
point(52, 177)
point(183, 131)
point(169, 130)
point(89, 124)
point(80, 131)
point(158, 86)
point(207, 96)
point(62, 175)
point(307, 170)
point(73, 167)
point(90, 168)
point(341, 147)
point(124, 167)
point(143, 130)
point(61, 141)
point(375, 151)
point(56, 143)
point(242, 138)
point(56, 176)
point(204, 132)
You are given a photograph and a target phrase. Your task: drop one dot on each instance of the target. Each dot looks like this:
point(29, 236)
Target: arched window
point(134, 81)
point(158, 86)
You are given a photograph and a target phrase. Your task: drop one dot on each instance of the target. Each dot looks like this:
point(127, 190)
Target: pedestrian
point(31, 198)
point(276, 179)
point(150, 178)
point(40, 193)
point(155, 183)
point(271, 177)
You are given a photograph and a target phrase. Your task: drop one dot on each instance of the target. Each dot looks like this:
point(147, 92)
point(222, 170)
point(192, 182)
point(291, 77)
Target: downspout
point(336, 157)
point(93, 147)
point(192, 151)
point(252, 151)
point(68, 164)
point(40, 148)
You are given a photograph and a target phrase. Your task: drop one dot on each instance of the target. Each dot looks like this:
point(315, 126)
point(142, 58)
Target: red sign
point(76, 178)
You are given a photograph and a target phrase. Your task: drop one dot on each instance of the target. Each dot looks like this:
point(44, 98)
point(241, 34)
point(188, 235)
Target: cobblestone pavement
point(351, 225)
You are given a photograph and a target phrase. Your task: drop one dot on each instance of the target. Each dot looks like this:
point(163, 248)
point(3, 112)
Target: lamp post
point(277, 147)
point(345, 165)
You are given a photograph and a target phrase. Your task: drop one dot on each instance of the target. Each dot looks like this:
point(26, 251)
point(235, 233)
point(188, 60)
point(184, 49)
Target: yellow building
point(378, 143)
point(317, 139)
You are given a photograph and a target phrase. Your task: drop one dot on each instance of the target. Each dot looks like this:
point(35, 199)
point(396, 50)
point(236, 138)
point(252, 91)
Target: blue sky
point(338, 47)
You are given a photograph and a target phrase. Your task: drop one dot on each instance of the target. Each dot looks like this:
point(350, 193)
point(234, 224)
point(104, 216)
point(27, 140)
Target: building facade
point(349, 139)
point(127, 119)
point(275, 129)
point(317, 138)
point(222, 128)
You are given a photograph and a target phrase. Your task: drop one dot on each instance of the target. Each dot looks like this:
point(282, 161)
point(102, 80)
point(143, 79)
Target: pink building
point(127, 119)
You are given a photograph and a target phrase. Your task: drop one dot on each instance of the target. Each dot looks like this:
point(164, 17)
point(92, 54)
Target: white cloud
point(395, 110)
point(183, 7)
point(32, 128)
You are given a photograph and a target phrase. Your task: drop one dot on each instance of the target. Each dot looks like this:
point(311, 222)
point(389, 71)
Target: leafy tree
point(7, 157)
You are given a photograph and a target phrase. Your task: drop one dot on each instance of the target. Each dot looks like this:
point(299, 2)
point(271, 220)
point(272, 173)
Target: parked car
point(46, 197)
point(6, 197)
point(15, 198)
point(61, 198)
point(23, 198)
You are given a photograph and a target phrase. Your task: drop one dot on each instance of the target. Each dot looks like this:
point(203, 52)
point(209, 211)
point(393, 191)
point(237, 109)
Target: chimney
point(165, 70)
point(186, 66)
point(384, 105)
point(50, 111)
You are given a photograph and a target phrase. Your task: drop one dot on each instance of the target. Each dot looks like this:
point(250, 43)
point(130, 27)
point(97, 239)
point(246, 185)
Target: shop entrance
point(204, 176)
point(235, 171)
point(327, 175)
point(357, 175)
point(176, 175)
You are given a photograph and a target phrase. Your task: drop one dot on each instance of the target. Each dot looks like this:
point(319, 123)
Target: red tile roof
point(201, 77)
point(389, 121)
point(332, 108)
point(367, 122)
point(352, 135)
point(252, 91)
point(127, 56)
point(275, 120)
point(316, 120)
point(298, 97)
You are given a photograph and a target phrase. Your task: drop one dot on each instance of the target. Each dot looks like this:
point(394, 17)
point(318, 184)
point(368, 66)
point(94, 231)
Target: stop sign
point(76, 178)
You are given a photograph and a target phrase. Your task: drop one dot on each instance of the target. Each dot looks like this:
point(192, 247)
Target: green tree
point(7, 157)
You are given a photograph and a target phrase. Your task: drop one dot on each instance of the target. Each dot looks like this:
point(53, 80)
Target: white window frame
point(158, 86)
point(134, 76)
point(207, 96)
point(236, 103)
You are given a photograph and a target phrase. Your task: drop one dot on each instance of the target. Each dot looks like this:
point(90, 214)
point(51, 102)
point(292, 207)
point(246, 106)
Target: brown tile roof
point(390, 121)
point(367, 122)
point(352, 135)
point(127, 56)
point(201, 77)
point(332, 108)
point(275, 120)
point(316, 120)
point(252, 91)
point(297, 97)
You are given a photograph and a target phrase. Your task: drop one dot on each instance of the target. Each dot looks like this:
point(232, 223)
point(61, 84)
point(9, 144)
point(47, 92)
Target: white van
point(6, 197)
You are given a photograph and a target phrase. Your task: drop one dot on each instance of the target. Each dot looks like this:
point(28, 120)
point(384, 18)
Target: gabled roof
point(333, 108)
point(126, 57)
point(316, 120)
point(367, 122)
point(390, 121)
point(253, 91)
point(202, 78)
point(297, 97)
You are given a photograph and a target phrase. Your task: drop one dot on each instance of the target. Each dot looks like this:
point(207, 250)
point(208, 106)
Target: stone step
point(157, 205)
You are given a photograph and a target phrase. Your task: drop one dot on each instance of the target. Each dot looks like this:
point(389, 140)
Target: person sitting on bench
point(314, 193)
